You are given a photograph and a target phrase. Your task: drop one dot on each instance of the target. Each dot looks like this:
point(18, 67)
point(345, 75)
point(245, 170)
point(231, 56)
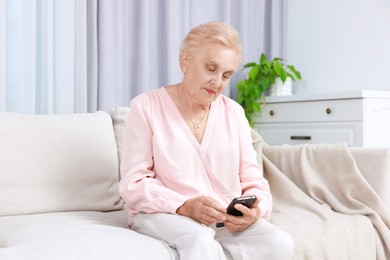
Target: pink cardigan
point(163, 164)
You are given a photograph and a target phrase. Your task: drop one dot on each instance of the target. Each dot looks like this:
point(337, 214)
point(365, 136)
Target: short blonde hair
point(212, 32)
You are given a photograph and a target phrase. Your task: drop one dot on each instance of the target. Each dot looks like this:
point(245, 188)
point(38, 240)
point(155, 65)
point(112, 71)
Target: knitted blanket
point(324, 202)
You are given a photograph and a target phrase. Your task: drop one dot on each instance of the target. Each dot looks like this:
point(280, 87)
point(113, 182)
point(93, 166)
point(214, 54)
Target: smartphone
point(244, 200)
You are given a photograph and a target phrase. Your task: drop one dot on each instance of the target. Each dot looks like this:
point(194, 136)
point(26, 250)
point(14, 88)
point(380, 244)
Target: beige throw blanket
point(324, 202)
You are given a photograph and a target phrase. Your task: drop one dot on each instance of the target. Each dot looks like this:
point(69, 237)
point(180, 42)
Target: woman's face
point(207, 73)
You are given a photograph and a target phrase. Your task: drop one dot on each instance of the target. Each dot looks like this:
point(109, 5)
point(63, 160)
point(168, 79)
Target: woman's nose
point(217, 81)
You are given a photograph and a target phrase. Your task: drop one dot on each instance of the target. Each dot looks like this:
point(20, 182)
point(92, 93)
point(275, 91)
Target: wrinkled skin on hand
point(206, 210)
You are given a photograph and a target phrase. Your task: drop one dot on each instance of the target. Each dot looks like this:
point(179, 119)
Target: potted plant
point(261, 79)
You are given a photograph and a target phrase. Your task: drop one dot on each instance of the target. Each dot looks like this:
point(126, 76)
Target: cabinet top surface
point(360, 94)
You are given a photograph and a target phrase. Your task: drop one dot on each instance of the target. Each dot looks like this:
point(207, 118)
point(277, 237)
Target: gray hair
point(212, 32)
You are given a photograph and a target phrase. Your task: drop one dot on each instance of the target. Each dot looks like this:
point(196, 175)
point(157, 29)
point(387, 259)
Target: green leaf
point(256, 107)
point(254, 72)
point(278, 68)
point(257, 92)
point(264, 69)
point(250, 64)
point(293, 70)
point(278, 59)
point(263, 59)
point(265, 83)
point(240, 84)
point(240, 98)
point(283, 76)
point(291, 76)
point(248, 103)
point(247, 89)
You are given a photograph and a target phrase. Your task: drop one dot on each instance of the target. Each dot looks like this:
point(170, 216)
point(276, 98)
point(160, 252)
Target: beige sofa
point(59, 189)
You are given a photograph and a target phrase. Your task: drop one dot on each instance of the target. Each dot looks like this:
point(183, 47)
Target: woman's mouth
point(210, 91)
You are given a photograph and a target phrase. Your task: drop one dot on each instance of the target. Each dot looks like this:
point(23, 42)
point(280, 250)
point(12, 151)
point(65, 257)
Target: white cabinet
point(360, 118)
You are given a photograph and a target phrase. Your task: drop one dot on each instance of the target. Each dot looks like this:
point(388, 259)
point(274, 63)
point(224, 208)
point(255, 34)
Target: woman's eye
point(226, 76)
point(211, 67)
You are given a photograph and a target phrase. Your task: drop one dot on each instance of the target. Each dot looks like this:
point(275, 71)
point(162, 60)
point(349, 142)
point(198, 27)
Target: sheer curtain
point(43, 58)
point(133, 46)
point(67, 56)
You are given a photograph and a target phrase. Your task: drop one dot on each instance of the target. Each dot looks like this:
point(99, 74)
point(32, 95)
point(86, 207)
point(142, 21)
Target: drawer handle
point(271, 113)
point(300, 137)
point(328, 110)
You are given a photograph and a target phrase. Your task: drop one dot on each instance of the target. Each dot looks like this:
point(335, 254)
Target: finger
point(244, 209)
point(207, 220)
point(214, 204)
point(233, 227)
point(210, 215)
point(245, 220)
point(214, 215)
point(235, 221)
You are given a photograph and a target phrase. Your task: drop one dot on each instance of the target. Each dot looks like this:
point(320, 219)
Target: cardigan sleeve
point(251, 177)
point(139, 188)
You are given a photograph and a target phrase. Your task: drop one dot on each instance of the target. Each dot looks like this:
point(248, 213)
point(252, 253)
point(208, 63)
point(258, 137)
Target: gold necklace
point(198, 125)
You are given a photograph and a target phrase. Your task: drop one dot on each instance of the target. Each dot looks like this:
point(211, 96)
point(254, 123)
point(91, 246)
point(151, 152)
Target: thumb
point(256, 204)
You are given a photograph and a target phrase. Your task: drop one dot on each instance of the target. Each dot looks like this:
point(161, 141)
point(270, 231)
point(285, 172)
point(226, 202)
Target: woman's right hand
point(204, 210)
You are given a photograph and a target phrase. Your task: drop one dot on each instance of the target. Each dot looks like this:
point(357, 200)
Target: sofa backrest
point(119, 117)
point(54, 163)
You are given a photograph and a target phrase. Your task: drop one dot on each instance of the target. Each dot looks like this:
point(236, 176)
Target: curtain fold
point(70, 56)
point(133, 46)
point(45, 61)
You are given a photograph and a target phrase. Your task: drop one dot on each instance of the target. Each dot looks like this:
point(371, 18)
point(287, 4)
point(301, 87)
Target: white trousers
point(192, 240)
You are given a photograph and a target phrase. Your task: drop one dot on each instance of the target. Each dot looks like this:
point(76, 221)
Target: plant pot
point(280, 89)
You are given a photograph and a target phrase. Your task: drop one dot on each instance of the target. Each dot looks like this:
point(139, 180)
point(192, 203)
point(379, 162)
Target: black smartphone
point(244, 200)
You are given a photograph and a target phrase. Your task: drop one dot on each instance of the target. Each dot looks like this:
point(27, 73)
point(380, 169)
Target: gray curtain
point(133, 45)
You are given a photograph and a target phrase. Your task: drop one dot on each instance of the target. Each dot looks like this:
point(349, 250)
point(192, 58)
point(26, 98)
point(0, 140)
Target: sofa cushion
point(57, 163)
point(77, 235)
point(119, 117)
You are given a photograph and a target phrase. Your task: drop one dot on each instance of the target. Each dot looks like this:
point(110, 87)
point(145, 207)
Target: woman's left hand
point(238, 224)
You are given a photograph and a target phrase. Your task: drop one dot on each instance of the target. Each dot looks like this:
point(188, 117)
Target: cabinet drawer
point(299, 133)
point(312, 111)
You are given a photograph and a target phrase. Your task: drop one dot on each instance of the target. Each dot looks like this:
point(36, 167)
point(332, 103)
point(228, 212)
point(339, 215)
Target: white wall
point(338, 45)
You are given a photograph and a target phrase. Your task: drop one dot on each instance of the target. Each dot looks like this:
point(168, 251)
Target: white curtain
point(43, 56)
point(67, 56)
point(133, 45)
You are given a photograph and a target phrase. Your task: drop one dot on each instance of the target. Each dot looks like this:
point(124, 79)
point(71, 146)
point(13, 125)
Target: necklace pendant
point(197, 126)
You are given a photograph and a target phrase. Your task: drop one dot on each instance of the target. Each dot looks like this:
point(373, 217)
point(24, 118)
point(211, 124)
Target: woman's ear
point(184, 64)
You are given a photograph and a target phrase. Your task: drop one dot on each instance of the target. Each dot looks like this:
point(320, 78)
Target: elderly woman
point(188, 152)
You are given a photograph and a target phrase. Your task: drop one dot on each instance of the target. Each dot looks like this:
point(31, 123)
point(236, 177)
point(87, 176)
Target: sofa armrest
point(374, 164)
